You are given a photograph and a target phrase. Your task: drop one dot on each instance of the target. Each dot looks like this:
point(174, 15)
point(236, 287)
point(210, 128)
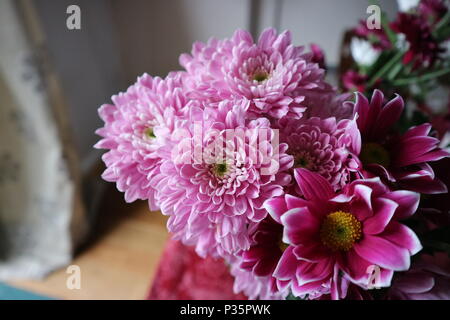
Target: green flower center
point(260, 76)
point(304, 160)
point(220, 169)
point(374, 153)
point(149, 133)
point(340, 230)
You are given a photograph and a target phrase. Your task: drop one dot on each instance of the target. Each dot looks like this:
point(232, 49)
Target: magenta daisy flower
point(400, 160)
point(136, 128)
point(268, 73)
point(324, 146)
point(329, 234)
point(212, 197)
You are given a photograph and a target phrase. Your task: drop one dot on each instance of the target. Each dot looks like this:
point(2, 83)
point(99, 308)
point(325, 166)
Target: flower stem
point(422, 78)
point(386, 68)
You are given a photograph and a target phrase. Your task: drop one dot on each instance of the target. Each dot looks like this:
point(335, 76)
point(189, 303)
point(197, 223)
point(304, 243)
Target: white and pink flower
point(137, 126)
point(271, 73)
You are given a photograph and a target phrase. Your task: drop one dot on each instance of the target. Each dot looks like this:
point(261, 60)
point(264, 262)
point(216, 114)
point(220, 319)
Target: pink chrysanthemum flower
point(400, 160)
point(428, 279)
point(212, 197)
point(136, 128)
point(330, 233)
point(324, 146)
point(268, 73)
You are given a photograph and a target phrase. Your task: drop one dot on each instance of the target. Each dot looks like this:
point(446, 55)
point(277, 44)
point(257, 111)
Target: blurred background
point(54, 209)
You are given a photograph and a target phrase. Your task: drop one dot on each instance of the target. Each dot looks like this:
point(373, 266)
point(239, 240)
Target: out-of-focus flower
point(267, 73)
point(423, 49)
point(434, 209)
point(363, 52)
point(137, 126)
point(377, 37)
point(329, 234)
point(400, 160)
point(432, 10)
point(318, 55)
point(407, 5)
point(428, 279)
point(354, 81)
point(211, 197)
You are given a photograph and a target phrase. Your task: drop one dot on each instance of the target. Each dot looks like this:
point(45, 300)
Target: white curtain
point(41, 215)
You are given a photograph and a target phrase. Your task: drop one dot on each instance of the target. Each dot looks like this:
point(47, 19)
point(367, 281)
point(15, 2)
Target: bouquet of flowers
point(304, 192)
point(410, 56)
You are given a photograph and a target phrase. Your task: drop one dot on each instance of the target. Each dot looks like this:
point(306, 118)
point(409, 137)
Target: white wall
point(121, 39)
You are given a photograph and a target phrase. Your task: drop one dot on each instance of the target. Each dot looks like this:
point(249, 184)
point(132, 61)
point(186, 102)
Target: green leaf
point(394, 71)
point(292, 297)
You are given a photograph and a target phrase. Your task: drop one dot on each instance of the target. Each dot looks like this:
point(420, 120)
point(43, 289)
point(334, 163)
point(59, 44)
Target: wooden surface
point(119, 261)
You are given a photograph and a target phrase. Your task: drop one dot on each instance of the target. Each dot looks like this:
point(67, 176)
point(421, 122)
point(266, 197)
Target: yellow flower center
point(374, 153)
point(340, 230)
point(283, 246)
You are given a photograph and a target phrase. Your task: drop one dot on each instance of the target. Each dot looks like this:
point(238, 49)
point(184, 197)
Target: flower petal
point(383, 253)
point(313, 185)
point(384, 210)
point(402, 236)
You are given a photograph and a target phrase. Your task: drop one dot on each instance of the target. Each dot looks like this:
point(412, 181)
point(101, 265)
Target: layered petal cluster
point(323, 145)
point(401, 160)
point(269, 73)
point(331, 235)
point(137, 125)
point(212, 196)
point(428, 279)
